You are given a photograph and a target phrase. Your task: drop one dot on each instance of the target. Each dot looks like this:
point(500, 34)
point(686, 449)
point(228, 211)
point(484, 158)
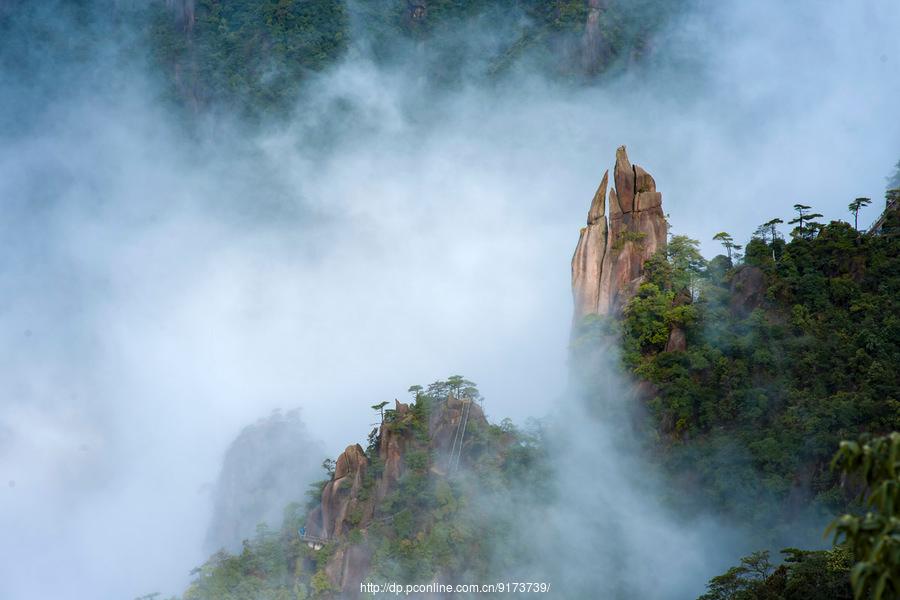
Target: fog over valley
point(199, 304)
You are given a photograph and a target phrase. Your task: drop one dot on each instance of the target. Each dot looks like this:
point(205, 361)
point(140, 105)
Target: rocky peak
point(341, 498)
point(348, 500)
point(607, 266)
point(392, 445)
point(448, 420)
point(266, 466)
point(748, 289)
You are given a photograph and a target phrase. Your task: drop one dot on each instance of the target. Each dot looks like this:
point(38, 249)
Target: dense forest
point(755, 367)
point(256, 59)
point(781, 357)
point(257, 56)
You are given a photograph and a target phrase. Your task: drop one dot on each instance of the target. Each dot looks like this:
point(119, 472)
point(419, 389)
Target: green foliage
point(426, 526)
point(320, 583)
point(314, 493)
point(747, 416)
point(874, 536)
point(432, 526)
point(687, 262)
point(380, 408)
point(728, 243)
point(806, 226)
point(650, 315)
point(866, 557)
point(263, 570)
point(803, 576)
point(257, 55)
point(247, 54)
point(624, 237)
point(769, 230)
point(462, 387)
point(746, 580)
point(855, 206)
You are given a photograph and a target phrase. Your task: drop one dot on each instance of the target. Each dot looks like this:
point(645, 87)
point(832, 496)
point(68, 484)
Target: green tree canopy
point(727, 242)
point(854, 207)
point(687, 262)
point(874, 536)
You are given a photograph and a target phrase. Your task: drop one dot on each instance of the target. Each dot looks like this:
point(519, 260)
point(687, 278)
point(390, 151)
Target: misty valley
point(327, 299)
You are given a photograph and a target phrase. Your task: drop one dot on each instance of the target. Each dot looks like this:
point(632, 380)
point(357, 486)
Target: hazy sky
point(160, 293)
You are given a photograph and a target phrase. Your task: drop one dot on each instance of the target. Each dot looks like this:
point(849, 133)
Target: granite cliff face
point(341, 495)
point(443, 425)
point(267, 466)
point(607, 266)
point(748, 289)
point(351, 499)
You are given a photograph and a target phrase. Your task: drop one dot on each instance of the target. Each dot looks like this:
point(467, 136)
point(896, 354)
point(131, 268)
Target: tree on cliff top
point(728, 242)
point(854, 208)
point(380, 407)
point(687, 263)
point(811, 227)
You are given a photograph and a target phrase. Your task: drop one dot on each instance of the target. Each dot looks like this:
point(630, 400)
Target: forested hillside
point(412, 506)
point(256, 56)
point(758, 368)
point(750, 371)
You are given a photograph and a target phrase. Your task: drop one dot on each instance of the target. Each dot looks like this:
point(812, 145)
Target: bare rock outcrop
point(348, 503)
point(677, 341)
point(347, 567)
point(595, 47)
point(341, 499)
point(748, 288)
point(269, 464)
point(448, 419)
point(392, 445)
point(607, 266)
point(184, 13)
point(587, 263)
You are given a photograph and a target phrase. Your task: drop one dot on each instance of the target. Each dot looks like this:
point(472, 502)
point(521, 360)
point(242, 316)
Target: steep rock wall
point(269, 464)
point(341, 496)
point(607, 266)
point(348, 504)
point(445, 423)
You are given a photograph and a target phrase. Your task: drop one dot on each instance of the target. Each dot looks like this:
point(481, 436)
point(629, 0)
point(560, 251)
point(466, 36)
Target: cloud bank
point(162, 288)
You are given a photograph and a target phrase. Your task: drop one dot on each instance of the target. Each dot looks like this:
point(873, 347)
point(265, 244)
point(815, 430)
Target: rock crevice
point(607, 266)
point(353, 497)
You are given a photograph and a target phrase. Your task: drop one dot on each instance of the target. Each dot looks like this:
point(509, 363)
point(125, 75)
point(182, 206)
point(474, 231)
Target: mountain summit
point(607, 267)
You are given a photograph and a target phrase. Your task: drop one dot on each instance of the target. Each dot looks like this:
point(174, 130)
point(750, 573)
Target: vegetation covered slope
point(255, 56)
point(865, 560)
point(759, 370)
point(752, 373)
point(423, 526)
